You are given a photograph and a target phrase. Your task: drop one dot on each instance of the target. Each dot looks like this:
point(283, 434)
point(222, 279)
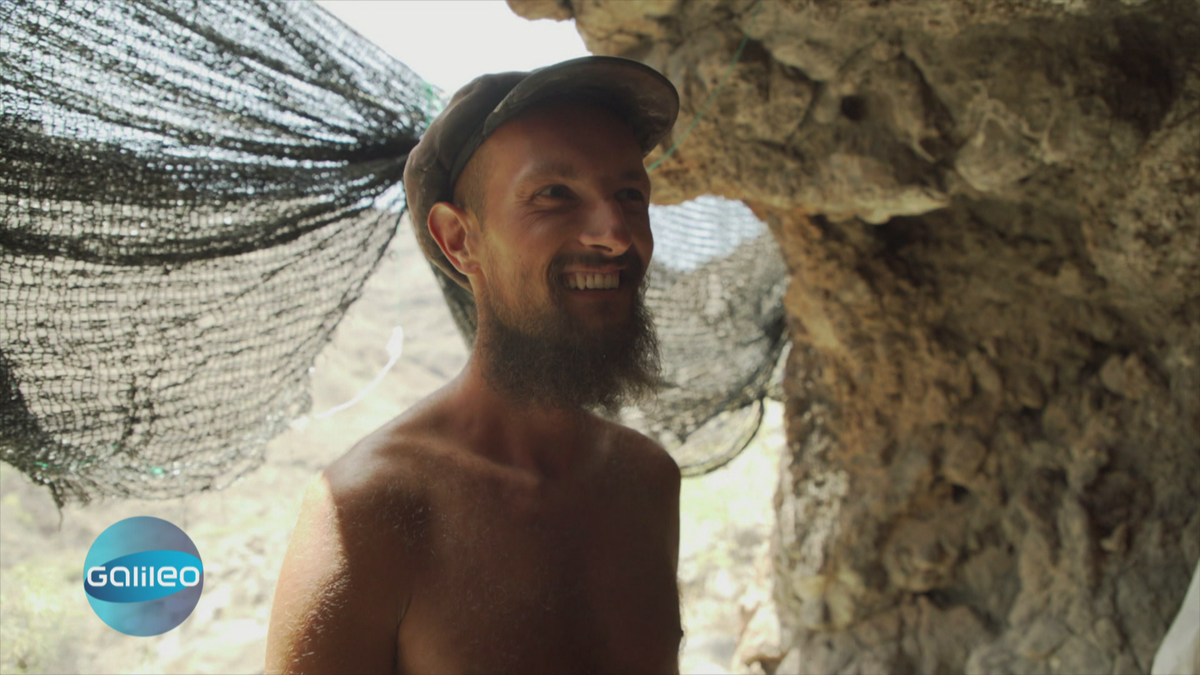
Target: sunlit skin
point(476, 533)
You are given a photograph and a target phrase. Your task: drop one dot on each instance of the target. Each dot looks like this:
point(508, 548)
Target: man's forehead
point(557, 168)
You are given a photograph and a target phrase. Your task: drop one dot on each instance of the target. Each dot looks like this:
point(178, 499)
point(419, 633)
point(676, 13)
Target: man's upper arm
point(337, 604)
point(668, 481)
point(665, 482)
point(672, 483)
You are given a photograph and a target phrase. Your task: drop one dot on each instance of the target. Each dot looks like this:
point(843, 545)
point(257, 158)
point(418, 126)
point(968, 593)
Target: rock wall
point(991, 215)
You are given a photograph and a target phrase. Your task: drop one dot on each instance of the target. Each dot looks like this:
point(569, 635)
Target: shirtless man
point(501, 525)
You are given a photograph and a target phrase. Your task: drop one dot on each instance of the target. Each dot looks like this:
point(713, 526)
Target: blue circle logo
point(143, 576)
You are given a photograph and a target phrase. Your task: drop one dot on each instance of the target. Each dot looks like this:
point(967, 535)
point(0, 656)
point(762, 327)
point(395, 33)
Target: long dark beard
point(555, 361)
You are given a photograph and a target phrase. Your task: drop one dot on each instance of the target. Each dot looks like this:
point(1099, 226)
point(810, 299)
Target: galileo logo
point(143, 576)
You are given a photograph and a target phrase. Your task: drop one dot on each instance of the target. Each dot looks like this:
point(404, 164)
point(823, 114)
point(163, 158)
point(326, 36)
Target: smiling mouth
point(580, 281)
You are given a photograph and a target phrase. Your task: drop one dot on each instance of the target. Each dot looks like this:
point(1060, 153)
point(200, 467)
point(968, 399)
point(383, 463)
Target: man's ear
point(451, 228)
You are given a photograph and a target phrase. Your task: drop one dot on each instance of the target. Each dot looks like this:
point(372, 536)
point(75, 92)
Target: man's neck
point(534, 436)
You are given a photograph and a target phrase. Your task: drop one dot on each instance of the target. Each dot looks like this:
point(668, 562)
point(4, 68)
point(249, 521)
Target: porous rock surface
point(989, 211)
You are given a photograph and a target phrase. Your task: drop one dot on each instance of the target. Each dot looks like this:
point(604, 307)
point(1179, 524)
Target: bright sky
point(451, 43)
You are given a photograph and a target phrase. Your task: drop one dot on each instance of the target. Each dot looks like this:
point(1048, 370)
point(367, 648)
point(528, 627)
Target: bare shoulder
point(649, 449)
point(380, 478)
point(644, 455)
point(649, 466)
point(350, 566)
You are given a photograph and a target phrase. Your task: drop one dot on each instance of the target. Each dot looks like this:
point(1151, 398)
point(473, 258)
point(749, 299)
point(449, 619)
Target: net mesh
point(191, 195)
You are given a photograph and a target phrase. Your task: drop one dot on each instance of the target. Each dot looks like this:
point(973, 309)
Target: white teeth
point(593, 281)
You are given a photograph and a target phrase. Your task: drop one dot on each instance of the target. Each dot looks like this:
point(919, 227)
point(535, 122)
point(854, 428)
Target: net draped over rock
point(193, 193)
point(716, 289)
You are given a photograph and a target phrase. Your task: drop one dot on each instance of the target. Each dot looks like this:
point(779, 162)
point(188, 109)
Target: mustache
point(629, 260)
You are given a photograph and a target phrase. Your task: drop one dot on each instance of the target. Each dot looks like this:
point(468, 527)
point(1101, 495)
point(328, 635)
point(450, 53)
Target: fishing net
point(192, 193)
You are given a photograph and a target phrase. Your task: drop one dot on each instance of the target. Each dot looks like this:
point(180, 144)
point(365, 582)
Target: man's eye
point(554, 192)
point(633, 194)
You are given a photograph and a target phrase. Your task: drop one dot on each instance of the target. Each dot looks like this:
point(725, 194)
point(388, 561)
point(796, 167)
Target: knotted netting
point(192, 193)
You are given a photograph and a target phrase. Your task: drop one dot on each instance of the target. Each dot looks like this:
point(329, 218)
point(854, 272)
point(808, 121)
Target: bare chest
point(578, 580)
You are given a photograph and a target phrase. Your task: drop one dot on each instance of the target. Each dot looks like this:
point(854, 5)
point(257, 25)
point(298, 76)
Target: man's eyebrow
point(638, 175)
point(547, 170)
point(550, 170)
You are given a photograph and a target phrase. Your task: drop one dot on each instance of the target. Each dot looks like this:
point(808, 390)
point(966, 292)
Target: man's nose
point(607, 229)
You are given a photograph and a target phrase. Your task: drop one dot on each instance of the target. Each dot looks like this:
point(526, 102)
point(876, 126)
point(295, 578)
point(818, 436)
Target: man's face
point(564, 242)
